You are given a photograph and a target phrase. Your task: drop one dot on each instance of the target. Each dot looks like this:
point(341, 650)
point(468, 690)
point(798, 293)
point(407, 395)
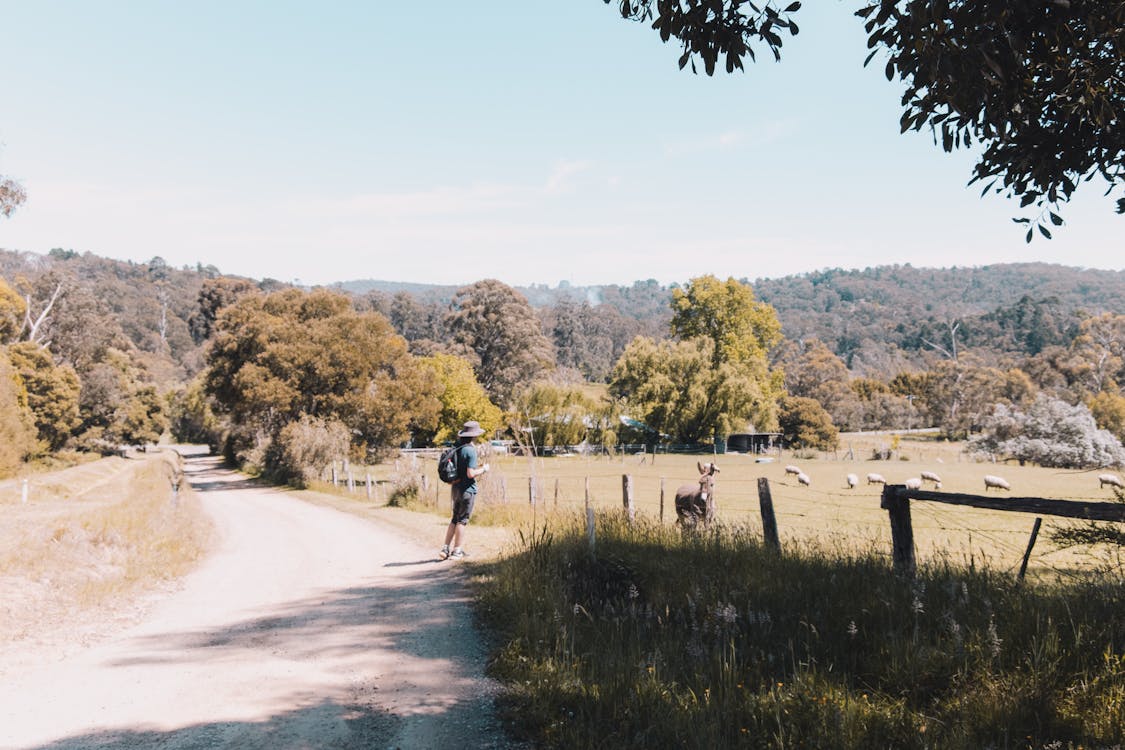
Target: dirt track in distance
point(306, 628)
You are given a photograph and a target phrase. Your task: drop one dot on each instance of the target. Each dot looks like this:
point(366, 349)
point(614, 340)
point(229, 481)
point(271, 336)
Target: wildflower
point(994, 639)
point(634, 592)
point(725, 613)
point(852, 629)
point(916, 605)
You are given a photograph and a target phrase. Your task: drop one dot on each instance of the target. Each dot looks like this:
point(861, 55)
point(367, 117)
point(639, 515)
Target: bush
point(1050, 433)
point(304, 449)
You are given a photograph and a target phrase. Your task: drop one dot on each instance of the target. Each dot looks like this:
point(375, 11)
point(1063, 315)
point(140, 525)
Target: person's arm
point(476, 471)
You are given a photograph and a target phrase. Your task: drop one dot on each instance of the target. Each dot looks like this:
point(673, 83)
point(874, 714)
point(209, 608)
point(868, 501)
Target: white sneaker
point(457, 554)
point(444, 552)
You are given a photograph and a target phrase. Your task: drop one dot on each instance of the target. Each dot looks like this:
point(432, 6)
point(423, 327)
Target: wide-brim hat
point(470, 429)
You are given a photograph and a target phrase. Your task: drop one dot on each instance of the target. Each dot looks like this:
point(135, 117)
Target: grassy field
point(712, 640)
point(826, 514)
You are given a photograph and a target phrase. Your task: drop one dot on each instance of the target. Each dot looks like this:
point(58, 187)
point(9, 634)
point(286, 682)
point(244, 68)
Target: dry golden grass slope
point(92, 537)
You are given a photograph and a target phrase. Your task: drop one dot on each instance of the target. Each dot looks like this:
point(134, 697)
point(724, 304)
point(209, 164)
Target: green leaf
point(1056, 219)
point(890, 70)
point(873, 53)
point(792, 7)
point(1043, 231)
point(1030, 234)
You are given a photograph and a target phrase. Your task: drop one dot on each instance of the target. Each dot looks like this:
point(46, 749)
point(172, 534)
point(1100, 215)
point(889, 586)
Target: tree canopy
point(1038, 86)
point(276, 358)
point(497, 328)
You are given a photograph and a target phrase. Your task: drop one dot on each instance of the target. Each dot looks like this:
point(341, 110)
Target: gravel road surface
point(306, 628)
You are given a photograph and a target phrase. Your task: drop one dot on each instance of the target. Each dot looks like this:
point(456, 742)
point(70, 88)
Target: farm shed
point(753, 442)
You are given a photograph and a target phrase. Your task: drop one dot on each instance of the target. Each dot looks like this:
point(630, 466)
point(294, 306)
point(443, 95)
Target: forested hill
point(868, 315)
point(1017, 308)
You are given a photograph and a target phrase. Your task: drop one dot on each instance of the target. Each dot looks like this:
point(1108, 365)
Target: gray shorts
point(463, 505)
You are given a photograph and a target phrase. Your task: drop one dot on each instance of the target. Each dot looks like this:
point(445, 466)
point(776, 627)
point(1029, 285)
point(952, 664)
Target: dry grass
point(89, 536)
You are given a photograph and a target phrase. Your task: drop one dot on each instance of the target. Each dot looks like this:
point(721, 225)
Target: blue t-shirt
point(467, 459)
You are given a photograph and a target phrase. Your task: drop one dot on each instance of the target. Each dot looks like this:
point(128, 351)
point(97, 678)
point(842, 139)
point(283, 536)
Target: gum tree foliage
point(118, 404)
point(1037, 87)
point(215, 294)
point(17, 427)
point(12, 195)
point(1048, 432)
point(497, 330)
point(804, 423)
point(813, 371)
point(52, 393)
point(1109, 412)
point(277, 357)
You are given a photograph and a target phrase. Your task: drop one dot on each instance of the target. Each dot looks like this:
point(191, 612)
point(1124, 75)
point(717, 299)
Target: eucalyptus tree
point(496, 328)
point(275, 358)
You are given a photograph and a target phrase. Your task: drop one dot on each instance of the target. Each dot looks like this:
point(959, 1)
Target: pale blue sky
point(448, 141)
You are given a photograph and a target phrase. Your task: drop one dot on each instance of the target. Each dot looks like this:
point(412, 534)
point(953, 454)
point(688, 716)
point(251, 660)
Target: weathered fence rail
point(896, 501)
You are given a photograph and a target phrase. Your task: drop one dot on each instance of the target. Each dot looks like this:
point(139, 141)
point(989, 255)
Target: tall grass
point(714, 641)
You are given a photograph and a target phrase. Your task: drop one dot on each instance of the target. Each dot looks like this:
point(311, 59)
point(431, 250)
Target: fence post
point(503, 489)
point(1030, 544)
point(556, 493)
point(23, 492)
point(590, 529)
point(662, 500)
point(351, 481)
point(531, 491)
point(902, 532)
point(369, 485)
point(587, 493)
point(627, 497)
point(333, 473)
point(769, 520)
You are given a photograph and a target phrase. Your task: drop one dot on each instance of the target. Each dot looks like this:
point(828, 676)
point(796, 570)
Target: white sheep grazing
point(804, 479)
point(999, 483)
point(914, 483)
point(875, 479)
point(791, 469)
point(853, 480)
point(929, 476)
point(1112, 480)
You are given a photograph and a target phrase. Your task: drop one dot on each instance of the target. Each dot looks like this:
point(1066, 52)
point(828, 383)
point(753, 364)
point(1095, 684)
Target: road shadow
point(410, 614)
point(346, 726)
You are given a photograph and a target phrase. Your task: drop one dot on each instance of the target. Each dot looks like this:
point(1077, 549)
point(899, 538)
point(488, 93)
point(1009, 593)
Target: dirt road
point(306, 628)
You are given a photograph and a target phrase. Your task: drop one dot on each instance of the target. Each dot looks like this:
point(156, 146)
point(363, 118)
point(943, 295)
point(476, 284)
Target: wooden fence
point(896, 500)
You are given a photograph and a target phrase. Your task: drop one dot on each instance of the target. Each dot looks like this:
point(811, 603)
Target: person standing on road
point(463, 491)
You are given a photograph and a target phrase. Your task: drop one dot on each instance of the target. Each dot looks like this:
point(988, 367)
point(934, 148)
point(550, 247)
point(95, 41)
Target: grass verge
point(714, 641)
point(61, 556)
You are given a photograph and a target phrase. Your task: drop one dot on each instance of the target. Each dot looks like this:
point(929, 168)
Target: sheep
point(852, 480)
point(1112, 480)
point(791, 469)
point(929, 476)
point(874, 478)
point(803, 478)
point(914, 483)
point(999, 483)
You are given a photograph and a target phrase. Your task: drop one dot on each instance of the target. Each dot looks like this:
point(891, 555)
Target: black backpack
point(447, 469)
